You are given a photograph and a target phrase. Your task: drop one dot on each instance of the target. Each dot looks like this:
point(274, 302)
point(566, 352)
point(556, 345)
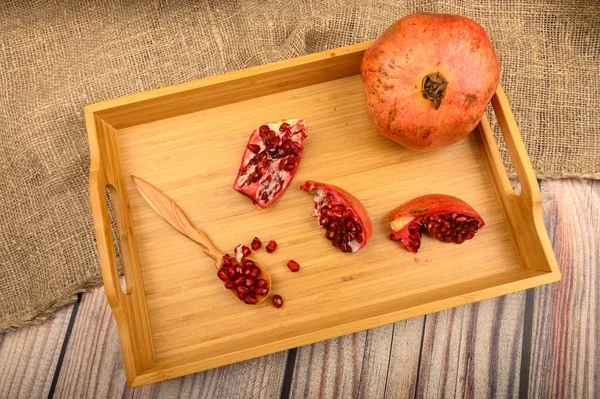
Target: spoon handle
point(173, 215)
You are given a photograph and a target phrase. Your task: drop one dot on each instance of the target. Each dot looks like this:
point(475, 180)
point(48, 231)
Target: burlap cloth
point(58, 56)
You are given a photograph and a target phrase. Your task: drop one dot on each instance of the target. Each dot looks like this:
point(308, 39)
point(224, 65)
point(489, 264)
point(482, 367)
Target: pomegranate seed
point(255, 244)
point(226, 260)
point(271, 246)
point(289, 167)
point(277, 301)
point(248, 263)
point(230, 285)
point(250, 299)
point(242, 289)
point(246, 271)
point(469, 235)
point(293, 266)
point(260, 283)
point(241, 295)
point(460, 239)
point(249, 281)
point(393, 236)
point(284, 126)
point(239, 280)
point(344, 247)
point(254, 271)
point(358, 238)
point(264, 129)
point(255, 148)
point(330, 234)
point(261, 291)
point(222, 274)
point(230, 272)
point(246, 251)
point(238, 269)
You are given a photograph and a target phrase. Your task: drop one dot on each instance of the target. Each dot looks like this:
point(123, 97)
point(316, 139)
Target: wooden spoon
point(173, 215)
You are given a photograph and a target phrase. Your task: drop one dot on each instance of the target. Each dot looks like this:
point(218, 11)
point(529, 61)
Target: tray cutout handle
point(128, 305)
point(524, 210)
point(516, 148)
point(120, 238)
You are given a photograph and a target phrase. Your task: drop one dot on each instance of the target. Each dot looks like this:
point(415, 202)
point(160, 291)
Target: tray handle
point(128, 305)
point(523, 211)
point(516, 148)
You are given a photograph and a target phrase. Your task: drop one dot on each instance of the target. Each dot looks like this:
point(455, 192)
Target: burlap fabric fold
point(58, 56)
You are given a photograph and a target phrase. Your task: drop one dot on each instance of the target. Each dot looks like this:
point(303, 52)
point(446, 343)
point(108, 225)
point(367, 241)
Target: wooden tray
point(174, 317)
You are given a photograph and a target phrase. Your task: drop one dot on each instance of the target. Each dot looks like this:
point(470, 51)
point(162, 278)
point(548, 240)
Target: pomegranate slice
point(448, 218)
point(270, 161)
point(345, 219)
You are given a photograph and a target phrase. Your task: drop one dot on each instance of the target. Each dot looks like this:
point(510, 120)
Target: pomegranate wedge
point(344, 218)
point(270, 161)
point(448, 218)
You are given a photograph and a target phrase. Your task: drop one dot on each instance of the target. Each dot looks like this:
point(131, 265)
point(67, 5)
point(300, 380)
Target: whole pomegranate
point(428, 79)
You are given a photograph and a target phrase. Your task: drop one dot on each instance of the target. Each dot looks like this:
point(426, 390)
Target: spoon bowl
point(264, 274)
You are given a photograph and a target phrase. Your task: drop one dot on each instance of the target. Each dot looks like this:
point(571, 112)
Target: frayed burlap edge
point(49, 312)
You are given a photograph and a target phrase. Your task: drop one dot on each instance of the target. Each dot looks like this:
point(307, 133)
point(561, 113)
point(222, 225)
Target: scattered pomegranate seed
point(255, 244)
point(271, 246)
point(293, 266)
point(277, 301)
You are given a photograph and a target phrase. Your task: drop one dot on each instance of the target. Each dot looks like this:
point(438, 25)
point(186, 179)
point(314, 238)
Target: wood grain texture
point(474, 350)
point(358, 365)
point(565, 352)
point(28, 357)
point(93, 366)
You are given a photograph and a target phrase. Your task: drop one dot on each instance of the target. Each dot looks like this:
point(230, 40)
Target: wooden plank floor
point(541, 343)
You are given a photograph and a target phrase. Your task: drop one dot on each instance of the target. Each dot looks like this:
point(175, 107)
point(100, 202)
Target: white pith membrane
point(447, 227)
point(274, 179)
point(322, 200)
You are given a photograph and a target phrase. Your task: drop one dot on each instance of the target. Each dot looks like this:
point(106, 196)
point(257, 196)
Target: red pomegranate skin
point(393, 70)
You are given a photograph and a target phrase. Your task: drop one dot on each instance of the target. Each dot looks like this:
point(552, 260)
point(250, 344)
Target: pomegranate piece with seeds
point(447, 218)
point(344, 218)
point(270, 161)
